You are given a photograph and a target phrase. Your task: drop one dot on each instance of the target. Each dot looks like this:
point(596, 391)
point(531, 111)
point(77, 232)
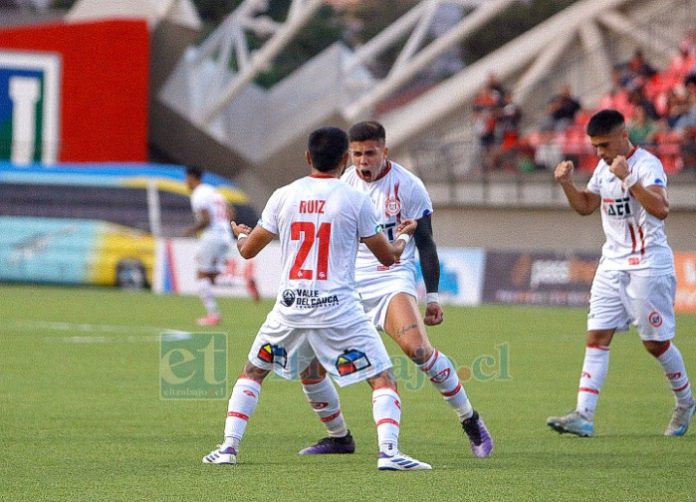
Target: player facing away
point(635, 280)
point(388, 293)
point(318, 314)
point(212, 215)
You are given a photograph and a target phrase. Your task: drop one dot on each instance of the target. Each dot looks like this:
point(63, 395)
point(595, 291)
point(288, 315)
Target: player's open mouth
point(366, 174)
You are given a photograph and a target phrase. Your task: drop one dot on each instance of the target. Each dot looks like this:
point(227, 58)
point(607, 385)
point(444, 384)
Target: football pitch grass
point(82, 418)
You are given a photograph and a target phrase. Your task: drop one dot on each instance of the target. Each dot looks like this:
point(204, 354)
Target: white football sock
point(386, 411)
point(594, 372)
point(324, 400)
point(675, 371)
point(444, 377)
point(245, 396)
point(205, 293)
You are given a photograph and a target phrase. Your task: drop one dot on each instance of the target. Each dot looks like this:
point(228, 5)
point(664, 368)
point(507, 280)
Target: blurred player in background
point(388, 293)
point(212, 215)
point(635, 281)
point(318, 314)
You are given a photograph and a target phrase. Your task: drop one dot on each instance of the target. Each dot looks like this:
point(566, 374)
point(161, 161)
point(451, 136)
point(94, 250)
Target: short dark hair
point(604, 122)
point(327, 146)
point(368, 130)
point(194, 171)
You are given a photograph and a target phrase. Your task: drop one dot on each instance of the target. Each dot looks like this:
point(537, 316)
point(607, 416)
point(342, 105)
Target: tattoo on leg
point(406, 329)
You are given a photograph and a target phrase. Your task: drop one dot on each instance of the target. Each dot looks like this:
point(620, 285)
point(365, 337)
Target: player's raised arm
point(251, 241)
point(583, 201)
point(388, 253)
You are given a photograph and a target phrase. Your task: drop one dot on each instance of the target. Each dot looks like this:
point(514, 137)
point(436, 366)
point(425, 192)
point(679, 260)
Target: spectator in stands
point(641, 128)
point(637, 71)
point(488, 105)
point(561, 110)
point(687, 121)
point(638, 98)
point(677, 105)
point(507, 135)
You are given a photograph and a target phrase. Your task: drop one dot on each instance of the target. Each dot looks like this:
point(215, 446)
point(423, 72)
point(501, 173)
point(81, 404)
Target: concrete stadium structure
point(203, 112)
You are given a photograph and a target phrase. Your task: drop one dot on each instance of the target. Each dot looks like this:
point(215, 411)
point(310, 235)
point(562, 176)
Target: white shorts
point(377, 291)
point(212, 255)
point(350, 354)
point(619, 298)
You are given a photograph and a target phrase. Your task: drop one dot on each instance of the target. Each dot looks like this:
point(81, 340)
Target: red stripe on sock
point(681, 388)
point(595, 346)
point(387, 421)
point(588, 389)
point(310, 381)
point(664, 349)
point(452, 393)
point(434, 358)
point(238, 415)
point(330, 417)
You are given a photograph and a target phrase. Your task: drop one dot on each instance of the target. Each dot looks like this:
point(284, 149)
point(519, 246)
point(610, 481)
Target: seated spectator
point(641, 128)
point(687, 121)
point(638, 98)
point(561, 110)
point(677, 105)
point(638, 71)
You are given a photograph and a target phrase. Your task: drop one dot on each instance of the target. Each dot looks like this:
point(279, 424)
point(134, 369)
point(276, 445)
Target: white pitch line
point(153, 331)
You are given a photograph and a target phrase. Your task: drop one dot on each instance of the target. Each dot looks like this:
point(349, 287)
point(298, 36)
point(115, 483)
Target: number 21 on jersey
point(308, 235)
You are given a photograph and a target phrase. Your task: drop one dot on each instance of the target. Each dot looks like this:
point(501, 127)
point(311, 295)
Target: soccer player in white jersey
point(318, 315)
point(211, 215)
point(388, 293)
point(635, 281)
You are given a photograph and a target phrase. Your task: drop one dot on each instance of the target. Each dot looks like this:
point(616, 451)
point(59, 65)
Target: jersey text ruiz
point(312, 206)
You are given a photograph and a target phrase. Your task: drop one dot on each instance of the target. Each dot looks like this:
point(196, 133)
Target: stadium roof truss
point(222, 69)
point(213, 85)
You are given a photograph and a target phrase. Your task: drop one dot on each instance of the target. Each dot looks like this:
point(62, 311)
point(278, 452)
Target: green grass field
point(81, 416)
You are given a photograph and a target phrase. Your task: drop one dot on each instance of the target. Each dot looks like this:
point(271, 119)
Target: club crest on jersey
point(288, 297)
point(352, 361)
point(273, 354)
point(392, 206)
point(655, 319)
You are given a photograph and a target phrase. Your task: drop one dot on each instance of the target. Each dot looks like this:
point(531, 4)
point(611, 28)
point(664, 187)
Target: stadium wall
point(556, 229)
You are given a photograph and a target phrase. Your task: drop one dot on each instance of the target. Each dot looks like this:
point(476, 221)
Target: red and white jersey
point(396, 195)
point(205, 197)
point(319, 220)
point(635, 239)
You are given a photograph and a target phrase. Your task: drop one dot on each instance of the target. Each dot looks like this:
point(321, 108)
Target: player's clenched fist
point(564, 171)
point(240, 229)
point(433, 314)
point(619, 167)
